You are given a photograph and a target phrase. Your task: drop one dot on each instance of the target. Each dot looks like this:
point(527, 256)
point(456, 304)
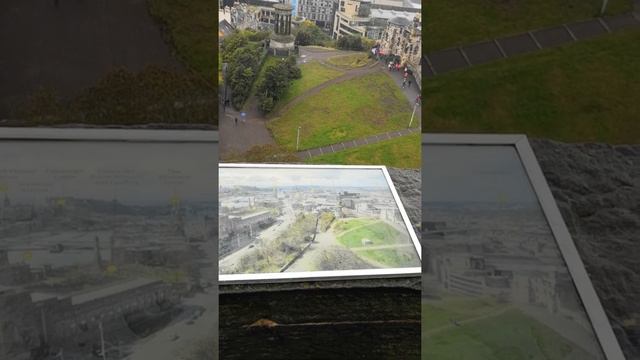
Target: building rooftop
point(400, 21)
point(389, 14)
point(224, 28)
point(39, 296)
point(111, 290)
point(284, 7)
point(410, 4)
point(251, 215)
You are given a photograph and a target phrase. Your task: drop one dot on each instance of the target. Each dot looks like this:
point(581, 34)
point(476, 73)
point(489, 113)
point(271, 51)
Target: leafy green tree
point(354, 42)
point(231, 44)
point(303, 38)
point(276, 81)
point(241, 73)
point(308, 33)
point(266, 104)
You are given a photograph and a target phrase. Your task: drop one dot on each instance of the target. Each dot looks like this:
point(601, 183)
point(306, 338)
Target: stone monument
point(282, 42)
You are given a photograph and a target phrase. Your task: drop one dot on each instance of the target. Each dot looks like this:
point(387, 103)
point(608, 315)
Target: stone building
point(352, 18)
point(368, 18)
point(319, 11)
point(403, 38)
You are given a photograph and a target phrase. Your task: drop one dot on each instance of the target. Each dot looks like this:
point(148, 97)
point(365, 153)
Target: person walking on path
point(236, 122)
point(404, 82)
point(409, 85)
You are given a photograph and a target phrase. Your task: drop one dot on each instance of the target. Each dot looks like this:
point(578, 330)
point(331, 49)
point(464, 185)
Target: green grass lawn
point(378, 232)
point(491, 331)
point(391, 258)
point(351, 61)
point(192, 31)
point(510, 335)
point(313, 74)
point(353, 231)
point(583, 92)
point(319, 48)
point(403, 152)
point(348, 224)
point(438, 313)
point(352, 109)
point(455, 22)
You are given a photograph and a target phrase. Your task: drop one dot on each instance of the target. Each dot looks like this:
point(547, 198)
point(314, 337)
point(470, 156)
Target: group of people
point(406, 81)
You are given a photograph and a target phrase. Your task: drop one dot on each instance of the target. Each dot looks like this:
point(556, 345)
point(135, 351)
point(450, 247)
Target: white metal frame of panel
point(331, 274)
point(593, 306)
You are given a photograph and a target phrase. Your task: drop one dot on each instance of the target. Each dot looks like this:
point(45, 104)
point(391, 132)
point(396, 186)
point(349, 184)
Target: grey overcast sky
point(134, 173)
point(269, 177)
point(474, 173)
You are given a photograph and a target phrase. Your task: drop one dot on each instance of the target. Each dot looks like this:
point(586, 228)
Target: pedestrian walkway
point(411, 92)
point(241, 136)
point(330, 149)
point(447, 60)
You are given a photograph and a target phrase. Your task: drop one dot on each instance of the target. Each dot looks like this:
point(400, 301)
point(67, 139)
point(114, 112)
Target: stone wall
point(597, 188)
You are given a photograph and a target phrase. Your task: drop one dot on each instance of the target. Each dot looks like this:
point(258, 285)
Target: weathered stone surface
point(597, 188)
point(408, 185)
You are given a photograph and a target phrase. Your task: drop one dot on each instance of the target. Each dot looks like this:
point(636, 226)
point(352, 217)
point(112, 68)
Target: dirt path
point(348, 75)
point(324, 242)
point(381, 247)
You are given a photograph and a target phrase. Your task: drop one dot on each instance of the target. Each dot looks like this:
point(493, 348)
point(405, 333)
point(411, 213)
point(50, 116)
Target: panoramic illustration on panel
point(107, 250)
point(495, 284)
point(286, 219)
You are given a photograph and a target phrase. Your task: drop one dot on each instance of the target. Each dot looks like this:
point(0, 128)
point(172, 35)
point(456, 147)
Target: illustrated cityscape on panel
point(493, 276)
point(297, 220)
point(103, 259)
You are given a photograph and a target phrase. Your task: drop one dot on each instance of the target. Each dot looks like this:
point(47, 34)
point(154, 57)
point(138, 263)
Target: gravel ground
point(597, 188)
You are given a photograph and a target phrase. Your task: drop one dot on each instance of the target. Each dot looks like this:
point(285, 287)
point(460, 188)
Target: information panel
point(501, 276)
point(108, 244)
point(291, 222)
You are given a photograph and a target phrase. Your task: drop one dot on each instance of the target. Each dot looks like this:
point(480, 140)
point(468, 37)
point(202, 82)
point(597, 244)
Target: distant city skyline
point(459, 173)
point(288, 177)
point(134, 174)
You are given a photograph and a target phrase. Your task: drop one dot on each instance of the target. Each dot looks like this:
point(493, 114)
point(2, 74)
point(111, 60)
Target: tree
point(350, 42)
point(242, 71)
point(266, 104)
point(304, 38)
point(231, 44)
point(308, 33)
point(276, 81)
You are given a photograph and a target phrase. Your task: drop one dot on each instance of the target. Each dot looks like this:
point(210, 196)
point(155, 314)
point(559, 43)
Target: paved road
point(237, 139)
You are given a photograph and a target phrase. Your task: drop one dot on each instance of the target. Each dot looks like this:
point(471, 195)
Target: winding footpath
point(250, 130)
point(482, 52)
